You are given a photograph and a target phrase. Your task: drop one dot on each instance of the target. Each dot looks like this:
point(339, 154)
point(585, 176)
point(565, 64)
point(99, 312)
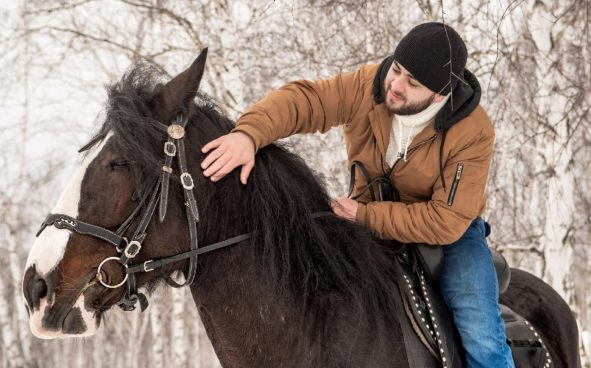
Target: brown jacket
point(428, 213)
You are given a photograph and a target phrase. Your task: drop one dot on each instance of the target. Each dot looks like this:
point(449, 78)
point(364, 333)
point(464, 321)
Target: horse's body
point(301, 292)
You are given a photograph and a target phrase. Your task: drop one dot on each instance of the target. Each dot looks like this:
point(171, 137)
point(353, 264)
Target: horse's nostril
point(35, 288)
point(39, 289)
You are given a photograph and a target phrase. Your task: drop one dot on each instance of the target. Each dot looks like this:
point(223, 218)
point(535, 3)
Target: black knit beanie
point(434, 54)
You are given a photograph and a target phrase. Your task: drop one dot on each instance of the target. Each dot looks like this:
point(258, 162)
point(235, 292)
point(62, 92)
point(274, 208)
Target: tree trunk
point(179, 342)
point(555, 148)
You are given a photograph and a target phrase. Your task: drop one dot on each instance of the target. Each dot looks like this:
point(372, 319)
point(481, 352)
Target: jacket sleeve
point(446, 216)
point(304, 107)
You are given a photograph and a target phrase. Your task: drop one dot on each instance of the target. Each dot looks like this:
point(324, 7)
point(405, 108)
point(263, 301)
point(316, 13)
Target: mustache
point(398, 95)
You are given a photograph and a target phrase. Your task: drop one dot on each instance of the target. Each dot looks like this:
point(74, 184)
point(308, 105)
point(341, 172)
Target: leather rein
point(128, 250)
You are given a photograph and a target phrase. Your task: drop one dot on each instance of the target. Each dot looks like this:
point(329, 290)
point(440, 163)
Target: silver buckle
point(132, 254)
point(145, 268)
point(169, 149)
point(189, 181)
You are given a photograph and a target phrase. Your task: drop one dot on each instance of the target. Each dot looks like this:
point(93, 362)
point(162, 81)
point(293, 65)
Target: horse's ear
point(181, 90)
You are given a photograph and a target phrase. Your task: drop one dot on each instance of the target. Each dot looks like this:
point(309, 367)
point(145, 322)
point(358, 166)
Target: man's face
point(404, 95)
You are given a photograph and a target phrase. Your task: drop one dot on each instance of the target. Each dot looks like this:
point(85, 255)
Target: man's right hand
point(229, 152)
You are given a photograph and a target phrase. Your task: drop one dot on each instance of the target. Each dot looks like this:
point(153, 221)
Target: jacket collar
point(464, 99)
point(380, 119)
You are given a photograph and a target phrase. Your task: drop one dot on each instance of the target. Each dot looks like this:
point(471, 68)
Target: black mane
point(309, 260)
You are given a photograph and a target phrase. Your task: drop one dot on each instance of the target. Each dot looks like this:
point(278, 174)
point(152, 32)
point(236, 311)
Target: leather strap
point(140, 233)
point(386, 189)
point(153, 264)
point(125, 225)
point(131, 295)
point(170, 151)
point(66, 222)
point(193, 263)
point(365, 174)
point(187, 182)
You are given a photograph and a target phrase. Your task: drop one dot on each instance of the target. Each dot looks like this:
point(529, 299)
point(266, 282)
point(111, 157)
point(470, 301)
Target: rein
point(128, 250)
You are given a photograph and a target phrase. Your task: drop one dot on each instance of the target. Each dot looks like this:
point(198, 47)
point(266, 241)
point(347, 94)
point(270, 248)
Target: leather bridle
point(128, 250)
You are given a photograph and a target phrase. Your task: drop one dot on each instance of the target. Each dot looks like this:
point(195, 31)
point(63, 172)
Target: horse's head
point(64, 288)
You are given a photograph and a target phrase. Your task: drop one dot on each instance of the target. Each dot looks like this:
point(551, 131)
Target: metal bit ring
point(99, 276)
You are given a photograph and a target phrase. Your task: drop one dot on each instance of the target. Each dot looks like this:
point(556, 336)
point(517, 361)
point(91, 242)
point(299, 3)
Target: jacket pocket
point(455, 183)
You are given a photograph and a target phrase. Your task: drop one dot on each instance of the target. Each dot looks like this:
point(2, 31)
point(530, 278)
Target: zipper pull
point(454, 185)
point(459, 171)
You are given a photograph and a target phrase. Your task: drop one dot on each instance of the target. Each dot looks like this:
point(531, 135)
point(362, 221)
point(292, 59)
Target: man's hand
point(229, 152)
point(345, 207)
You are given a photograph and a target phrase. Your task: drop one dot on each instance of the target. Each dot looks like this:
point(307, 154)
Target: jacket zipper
point(410, 150)
point(454, 185)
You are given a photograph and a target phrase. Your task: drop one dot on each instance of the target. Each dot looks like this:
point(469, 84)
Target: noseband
point(128, 250)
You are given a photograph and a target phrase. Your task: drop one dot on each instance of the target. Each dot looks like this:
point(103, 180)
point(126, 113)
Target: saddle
point(428, 317)
point(431, 339)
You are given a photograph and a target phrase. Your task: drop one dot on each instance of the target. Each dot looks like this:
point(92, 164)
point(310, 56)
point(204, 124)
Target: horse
point(277, 279)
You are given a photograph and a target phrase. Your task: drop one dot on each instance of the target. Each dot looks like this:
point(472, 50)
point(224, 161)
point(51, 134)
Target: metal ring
point(99, 276)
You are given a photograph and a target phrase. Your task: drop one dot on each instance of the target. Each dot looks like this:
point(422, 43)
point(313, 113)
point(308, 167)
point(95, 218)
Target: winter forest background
point(532, 58)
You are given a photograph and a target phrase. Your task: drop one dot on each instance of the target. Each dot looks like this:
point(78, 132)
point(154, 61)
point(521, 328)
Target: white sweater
point(406, 128)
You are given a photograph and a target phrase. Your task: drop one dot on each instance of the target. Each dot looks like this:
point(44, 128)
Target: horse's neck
point(250, 326)
point(245, 321)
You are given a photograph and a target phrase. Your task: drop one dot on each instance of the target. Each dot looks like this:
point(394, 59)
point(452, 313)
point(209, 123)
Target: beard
point(408, 108)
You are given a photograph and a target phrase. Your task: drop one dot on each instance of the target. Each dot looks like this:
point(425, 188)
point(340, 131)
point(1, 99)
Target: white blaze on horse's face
point(48, 249)
point(50, 246)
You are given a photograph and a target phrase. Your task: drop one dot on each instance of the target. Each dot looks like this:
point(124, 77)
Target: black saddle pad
point(428, 317)
point(431, 338)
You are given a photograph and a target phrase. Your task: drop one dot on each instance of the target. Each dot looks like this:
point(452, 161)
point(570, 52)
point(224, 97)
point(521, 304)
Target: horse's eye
point(118, 164)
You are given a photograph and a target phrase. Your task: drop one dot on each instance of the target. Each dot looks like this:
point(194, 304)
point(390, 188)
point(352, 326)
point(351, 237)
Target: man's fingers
point(224, 170)
point(334, 204)
point(344, 207)
point(213, 144)
point(212, 157)
point(217, 165)
point(245, 171)
point(338, 208)
point(229, 152)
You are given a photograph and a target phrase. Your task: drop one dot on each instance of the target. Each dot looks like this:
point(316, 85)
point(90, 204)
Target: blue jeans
point(469, 286)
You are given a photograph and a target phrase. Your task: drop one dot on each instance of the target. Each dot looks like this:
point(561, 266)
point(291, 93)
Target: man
point(415, 118)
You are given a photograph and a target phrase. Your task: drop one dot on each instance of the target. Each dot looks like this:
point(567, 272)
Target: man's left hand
point(345, 207)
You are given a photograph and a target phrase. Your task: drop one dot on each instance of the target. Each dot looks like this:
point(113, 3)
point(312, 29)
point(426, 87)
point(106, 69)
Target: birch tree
point(156, 324)
point(10, 336)
point(179, 348)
